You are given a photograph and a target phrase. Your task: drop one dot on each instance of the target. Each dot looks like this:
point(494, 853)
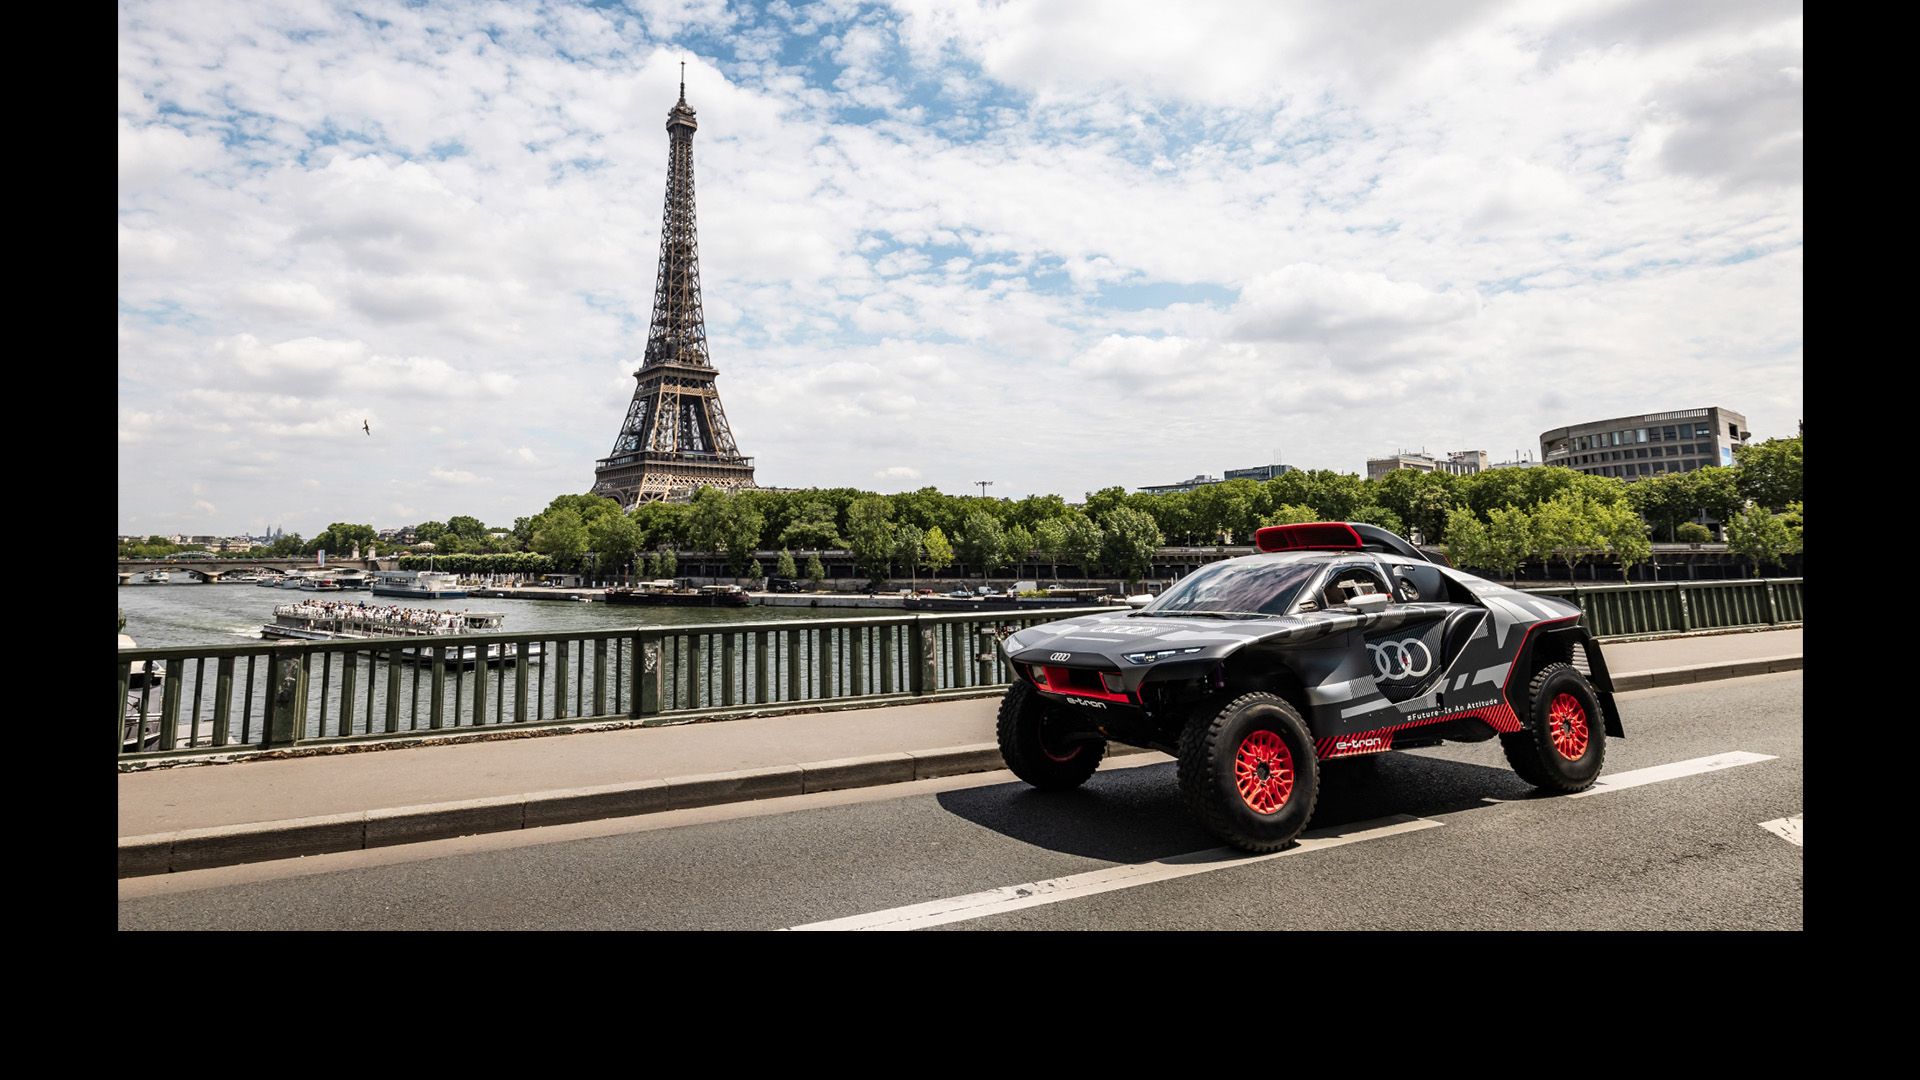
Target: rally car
point(1337, 640)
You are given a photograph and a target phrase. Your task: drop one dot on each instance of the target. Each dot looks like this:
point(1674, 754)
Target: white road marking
point(1786, 828)
point(1673, 771)
point(1073, 887)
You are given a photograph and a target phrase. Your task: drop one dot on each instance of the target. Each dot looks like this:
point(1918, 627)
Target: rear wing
point(1334, 536)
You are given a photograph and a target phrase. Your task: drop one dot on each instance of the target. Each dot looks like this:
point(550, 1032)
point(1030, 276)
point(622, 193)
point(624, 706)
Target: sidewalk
point(398, 796)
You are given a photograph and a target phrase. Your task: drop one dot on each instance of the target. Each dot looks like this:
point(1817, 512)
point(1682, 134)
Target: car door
point(1403, 643)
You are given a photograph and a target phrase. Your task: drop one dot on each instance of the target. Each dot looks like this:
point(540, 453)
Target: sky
point(1056, 245)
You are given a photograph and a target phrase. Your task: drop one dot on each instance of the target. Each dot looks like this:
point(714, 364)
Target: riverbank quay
point(184, 819)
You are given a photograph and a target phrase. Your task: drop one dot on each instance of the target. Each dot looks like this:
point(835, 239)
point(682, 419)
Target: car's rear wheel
point(1031, 744)
point(1565, 741)
point(1249, 773)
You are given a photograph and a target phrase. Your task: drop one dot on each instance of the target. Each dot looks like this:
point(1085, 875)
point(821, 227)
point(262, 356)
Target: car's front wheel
point(1249, 773)
point(1565, 740)
point(1032, 747)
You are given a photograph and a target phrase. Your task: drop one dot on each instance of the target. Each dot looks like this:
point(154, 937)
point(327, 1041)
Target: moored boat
point(328, 620)
point(664, 594)
point(418, 584)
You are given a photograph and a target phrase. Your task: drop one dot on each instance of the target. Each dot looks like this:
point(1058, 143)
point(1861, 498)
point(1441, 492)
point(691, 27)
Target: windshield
point(1250, 588)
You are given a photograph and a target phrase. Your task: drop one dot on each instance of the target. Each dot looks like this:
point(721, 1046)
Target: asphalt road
point(1446, 838)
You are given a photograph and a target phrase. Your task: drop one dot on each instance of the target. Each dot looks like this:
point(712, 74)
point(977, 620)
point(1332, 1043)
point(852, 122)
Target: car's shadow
point(1135, 815)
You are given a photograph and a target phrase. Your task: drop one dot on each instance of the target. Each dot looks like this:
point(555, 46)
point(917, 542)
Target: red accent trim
point(1567, 726)
point(1520, 652)
point(1072, 682)
point(1263, 771)
point(1311, 536)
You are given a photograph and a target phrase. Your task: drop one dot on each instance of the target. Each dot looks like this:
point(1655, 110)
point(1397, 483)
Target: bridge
point(211, 570)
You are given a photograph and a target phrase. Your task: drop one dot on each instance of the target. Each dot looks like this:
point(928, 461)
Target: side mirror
point(1370, 600)
point(1139, 601)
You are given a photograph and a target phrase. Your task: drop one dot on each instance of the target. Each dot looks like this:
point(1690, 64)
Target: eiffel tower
point(676, 437)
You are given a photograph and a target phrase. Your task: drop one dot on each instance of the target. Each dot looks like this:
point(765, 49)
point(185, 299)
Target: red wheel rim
point(1263, 771)
point(1567, 723)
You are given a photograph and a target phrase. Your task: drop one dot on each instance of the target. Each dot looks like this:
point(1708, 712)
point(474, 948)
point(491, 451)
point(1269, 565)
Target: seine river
point(184, 613)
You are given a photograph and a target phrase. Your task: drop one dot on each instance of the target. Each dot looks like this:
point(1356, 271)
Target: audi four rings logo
point(1059, 656)
point(1396, 660)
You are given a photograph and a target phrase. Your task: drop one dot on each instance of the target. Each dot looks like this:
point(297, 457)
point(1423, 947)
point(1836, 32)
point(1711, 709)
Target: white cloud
point(1062, 245)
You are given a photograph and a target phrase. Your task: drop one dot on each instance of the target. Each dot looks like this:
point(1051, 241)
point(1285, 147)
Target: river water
point(184, 613)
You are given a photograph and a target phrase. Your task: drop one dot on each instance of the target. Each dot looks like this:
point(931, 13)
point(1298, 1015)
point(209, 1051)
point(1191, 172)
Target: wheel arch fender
point(1556, 644)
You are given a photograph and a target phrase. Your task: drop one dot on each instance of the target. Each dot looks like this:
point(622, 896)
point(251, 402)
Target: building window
point(1671, 434)
point(1702, 431)
point(1640, 435)
point(1645, 469)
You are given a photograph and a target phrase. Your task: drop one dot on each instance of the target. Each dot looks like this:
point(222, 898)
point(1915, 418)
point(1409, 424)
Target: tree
point(1020, 544)
point(1792, 516)
point(870, 536)
point(649, 567)
point(1566, 525)
point(814, 525)
point(669, 563)
point(1100, 503)
point(1083, 543)
point(1050, 539)
point(908, 542)
point(1717, 492)
point(1129, 542)
point(754, 573)
point(1692, 532)
point(614, 537)
point(1375, 514)
point(561, 536)
point(983, 543)
point(785, 567)
point(816, 572)
point(1290, 514)
point(1759, 535)
point(1666, 501)
point(1468, 546)
point(939, 553)
point(1770, 472)
point(466, 527)
point(1624, 534)
point(1509, 539)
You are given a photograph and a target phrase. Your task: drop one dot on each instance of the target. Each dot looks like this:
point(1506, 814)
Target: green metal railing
point(278, 694)
point(1682, 607)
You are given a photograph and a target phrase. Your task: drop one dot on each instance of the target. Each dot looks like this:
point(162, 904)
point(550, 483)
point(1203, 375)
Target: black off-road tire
point(1211, 751)
point(1023, 717)
point(1564, 743)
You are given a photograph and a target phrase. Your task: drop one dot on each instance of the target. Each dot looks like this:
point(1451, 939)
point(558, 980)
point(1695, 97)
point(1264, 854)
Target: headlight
point(1152, 657)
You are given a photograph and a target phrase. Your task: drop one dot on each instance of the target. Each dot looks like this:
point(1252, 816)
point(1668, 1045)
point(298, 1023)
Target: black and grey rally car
point(1336, 640)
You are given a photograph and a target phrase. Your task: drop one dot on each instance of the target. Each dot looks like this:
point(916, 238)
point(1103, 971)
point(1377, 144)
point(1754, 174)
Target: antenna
point(683, 82)
point(984, 485)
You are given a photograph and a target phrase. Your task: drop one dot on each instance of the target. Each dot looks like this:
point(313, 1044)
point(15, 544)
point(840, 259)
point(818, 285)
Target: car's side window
point(1349, 582)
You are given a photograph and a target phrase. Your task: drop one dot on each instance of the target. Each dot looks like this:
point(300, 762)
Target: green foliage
point(1050, 540)
point(939, 551)
point(1290, 514)
point(1760, 535)
point(1566, 526)
point(1510, 539)
point(725, 522)
point(339, 538)
point(1623, 534)
point(1692, 532)
point(560, 535)
point(1084, 540)
point(614, 537)
point(1770, 472)
point(909, 546)
point(816, 571)
point(983, 543)
point(522, 563)
point(666, 563)
point(754, 572)
point(466, 527)
point(814, 525)
point(1129, 542)
point(1379, 515)
point(1468, 545)
point(1666, 502)
point(870, 536)
point(1791, 516)
point(785, 567)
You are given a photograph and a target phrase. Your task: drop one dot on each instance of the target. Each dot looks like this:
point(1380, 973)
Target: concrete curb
point(226, 845)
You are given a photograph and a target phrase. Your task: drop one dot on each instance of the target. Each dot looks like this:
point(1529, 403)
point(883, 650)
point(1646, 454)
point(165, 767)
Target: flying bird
point(365, 428)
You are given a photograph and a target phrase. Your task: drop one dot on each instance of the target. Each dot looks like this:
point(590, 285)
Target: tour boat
point(158, 577)
point(418, 584)
point(335, 621)
point(663, 594)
